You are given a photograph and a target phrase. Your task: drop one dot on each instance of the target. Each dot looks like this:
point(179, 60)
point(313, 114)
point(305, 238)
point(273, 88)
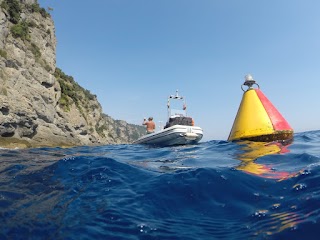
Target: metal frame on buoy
point(249, 82)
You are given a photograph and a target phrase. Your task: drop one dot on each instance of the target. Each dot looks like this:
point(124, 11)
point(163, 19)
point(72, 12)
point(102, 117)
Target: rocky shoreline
point(39, 104)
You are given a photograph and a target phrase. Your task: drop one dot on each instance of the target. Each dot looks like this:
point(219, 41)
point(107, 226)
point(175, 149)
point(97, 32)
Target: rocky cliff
point(39, 104)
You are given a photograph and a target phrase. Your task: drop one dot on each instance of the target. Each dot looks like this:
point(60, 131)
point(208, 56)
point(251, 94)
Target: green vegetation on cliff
point(3, 53)
point(56, 110)
point(72, 92)
point(35, 7)
point(21, 30)
point(14, 8)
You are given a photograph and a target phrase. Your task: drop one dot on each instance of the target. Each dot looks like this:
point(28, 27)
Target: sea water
point(212, 190)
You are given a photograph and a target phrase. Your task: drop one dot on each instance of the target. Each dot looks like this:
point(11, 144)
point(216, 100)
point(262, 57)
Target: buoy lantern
point(257, 119)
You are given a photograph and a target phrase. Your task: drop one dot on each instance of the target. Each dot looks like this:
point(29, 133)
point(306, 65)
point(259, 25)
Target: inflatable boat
point(179, 129)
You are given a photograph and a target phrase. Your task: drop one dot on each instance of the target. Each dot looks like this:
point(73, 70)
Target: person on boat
point(151, 126)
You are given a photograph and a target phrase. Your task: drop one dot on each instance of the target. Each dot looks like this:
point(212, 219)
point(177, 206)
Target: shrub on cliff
point(35, 50)
point(3, 53)
point(35, 7)
point(14, 9)
point(71, 90)
point(21, 30)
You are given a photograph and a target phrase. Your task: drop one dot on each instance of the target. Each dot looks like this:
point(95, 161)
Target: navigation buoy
point(257, 119)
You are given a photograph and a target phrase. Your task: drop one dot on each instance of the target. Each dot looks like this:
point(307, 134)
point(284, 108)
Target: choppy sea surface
point(212, 190)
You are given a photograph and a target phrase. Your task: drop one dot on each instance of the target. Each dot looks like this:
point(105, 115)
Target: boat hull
point(174, 135)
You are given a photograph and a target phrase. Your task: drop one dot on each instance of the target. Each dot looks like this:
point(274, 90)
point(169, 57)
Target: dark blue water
point(213, 190)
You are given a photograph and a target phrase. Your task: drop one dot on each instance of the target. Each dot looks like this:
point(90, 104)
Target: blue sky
point(134, 53)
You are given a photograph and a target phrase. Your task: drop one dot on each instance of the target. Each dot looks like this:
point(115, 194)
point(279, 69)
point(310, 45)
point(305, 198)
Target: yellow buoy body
point(258, 120)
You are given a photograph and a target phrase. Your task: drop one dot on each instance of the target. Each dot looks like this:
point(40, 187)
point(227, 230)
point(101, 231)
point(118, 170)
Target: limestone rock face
point(36, 108)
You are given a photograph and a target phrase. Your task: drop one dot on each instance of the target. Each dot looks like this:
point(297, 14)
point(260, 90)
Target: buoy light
point(249, 82)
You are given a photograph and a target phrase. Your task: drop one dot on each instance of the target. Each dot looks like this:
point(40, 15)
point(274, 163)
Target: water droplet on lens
point(299, 186)
point(223, 177)
point(261, 213)
point(276, 205)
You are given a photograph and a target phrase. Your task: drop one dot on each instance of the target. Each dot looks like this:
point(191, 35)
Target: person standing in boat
point(151, 126)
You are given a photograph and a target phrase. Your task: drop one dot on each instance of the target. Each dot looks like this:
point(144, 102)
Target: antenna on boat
point(177, 94)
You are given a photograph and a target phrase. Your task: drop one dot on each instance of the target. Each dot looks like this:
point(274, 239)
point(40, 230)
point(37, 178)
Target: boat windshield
point(177, 113)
